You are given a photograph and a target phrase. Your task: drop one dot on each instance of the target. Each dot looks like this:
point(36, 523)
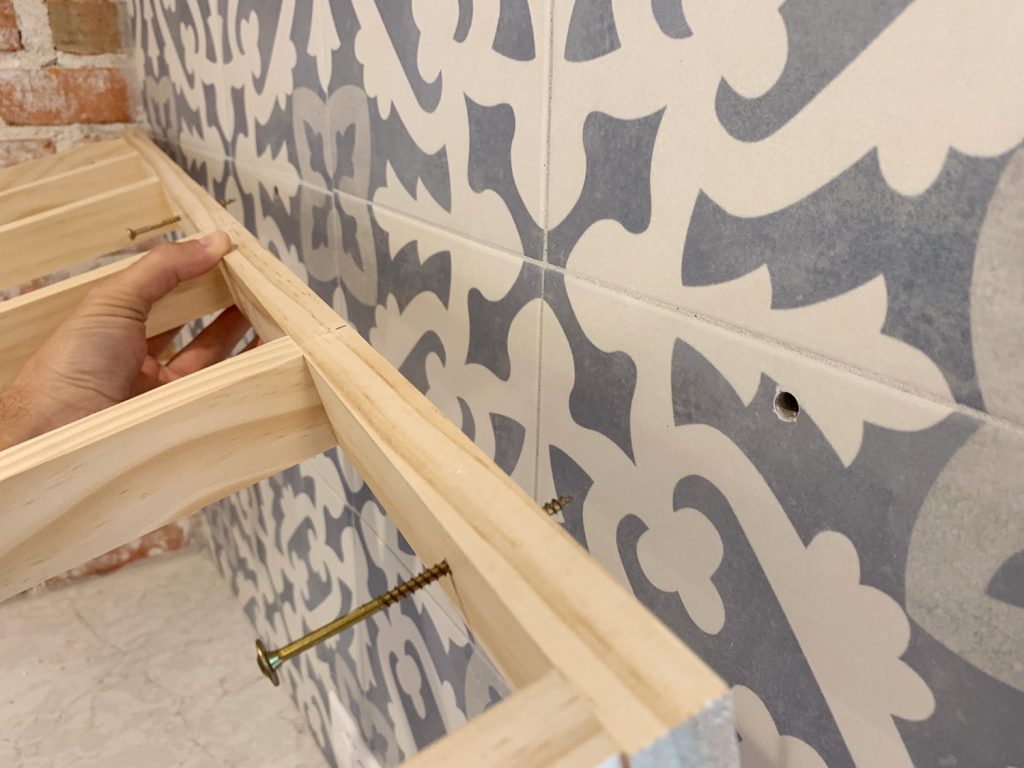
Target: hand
point(100, 355)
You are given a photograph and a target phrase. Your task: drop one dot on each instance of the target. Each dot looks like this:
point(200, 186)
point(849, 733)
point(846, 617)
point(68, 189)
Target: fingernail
point(208, 240)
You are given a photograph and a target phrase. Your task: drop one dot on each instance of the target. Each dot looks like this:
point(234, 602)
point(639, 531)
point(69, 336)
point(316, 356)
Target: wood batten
point(85, 488)
point(596, 676)
point(64, 188)
point(533, 598)
point(81, 156)
point(78, 232)
point(543, 724)
point(275, 301)
point(26, 321)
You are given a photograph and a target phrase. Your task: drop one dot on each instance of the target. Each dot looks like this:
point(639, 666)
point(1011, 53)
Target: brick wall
point(64, 75)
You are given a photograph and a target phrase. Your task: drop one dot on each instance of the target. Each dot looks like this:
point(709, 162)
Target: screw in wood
point(270, 660)
point(555, 506)
point(134, 233)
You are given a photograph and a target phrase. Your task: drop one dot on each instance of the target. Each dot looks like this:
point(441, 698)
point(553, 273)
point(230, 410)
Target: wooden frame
point(597, 679)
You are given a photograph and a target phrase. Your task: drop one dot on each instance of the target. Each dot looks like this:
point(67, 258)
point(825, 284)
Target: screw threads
point(134, 233)
point(556, 505)
point(270, 660)
point(416, 582)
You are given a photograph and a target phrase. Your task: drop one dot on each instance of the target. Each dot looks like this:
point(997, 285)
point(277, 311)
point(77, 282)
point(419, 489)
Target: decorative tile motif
point(604, 238)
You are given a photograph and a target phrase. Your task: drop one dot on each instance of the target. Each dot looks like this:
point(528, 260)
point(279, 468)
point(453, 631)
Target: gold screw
point(269, 661)
point(555, 506)
point(133, 233)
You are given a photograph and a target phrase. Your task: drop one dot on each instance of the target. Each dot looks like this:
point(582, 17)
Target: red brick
point(10, 35)
point(57, 96)
point(85, 26)
point(171, 537)
point(14, 151)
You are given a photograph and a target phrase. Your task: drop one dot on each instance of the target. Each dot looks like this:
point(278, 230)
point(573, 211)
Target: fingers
point(157, 345)
point(212, 345)
point(255, 342)
point(161, 270)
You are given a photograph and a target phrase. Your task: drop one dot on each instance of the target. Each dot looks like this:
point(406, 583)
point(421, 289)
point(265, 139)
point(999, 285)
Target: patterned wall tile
point(717, 203)
point(804, 553)
point(746, 165)
point(437, 111)
point(298, 556)
point(275, 78)
point(183, 89)
point(461, 321)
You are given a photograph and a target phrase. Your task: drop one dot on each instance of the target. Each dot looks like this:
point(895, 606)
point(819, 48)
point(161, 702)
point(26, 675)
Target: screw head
point(267, 666)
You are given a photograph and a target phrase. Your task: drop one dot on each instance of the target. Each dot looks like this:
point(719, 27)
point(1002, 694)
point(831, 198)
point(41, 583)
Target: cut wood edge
point(543, 724)
point(706, 740)
point(88, 487)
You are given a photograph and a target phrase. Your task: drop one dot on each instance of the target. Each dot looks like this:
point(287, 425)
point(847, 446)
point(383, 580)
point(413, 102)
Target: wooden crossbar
point(80, 231)
point(27, 320)
point(81, 156)
point(81, 490)
point(51, 192)
point(595, 674)
point(507, 733)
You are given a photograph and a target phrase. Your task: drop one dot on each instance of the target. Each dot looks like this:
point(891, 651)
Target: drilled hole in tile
point(786, 406)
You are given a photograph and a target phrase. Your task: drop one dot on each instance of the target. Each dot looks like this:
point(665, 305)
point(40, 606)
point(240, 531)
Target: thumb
point(162, 269)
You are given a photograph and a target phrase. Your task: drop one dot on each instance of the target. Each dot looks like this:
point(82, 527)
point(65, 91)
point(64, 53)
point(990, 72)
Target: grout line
point(450, 233)
point(546, 140)
point(737, 330)
point(544, 205)
point(540, 390)
point(837, 365)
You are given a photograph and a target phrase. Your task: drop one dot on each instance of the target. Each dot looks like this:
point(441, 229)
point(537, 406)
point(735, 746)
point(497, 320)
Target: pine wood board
point(90, 486)
point(533, 597)
point(85, 154)
point(543, 725)
point(71, 186)
point(78, 232)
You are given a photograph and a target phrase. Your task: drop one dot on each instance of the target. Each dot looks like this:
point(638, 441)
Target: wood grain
point(81, 490)
point(532, 596)
point(63, 188)
point(85, 154)
point(80, 231)
point(544, 724)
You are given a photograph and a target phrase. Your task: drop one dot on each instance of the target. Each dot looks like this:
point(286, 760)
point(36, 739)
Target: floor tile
point(147, 666)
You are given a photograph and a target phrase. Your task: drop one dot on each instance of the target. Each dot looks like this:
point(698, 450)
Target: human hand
point(100, 355)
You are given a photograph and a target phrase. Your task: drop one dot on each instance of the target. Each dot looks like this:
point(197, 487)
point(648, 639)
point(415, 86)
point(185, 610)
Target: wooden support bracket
point(597, 677)
point(86, 488)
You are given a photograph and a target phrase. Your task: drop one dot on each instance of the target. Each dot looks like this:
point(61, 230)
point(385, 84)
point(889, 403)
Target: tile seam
point(833, 363)
point(549, 53)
